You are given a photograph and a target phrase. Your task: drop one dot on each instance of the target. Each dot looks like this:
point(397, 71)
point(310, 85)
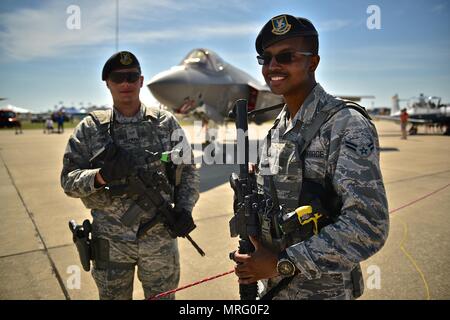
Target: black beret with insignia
point(120, 60)
point(283, 27)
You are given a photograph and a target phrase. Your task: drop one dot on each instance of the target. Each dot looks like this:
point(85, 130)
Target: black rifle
point(145, 189)
point(245, 220)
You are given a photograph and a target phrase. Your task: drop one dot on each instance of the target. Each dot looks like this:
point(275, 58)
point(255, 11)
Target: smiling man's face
point(288, 78)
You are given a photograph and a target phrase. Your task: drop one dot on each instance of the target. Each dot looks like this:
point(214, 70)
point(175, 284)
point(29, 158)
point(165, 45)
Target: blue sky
point(42, 62)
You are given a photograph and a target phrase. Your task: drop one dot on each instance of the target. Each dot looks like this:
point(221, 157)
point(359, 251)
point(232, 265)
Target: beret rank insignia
point(280, 25)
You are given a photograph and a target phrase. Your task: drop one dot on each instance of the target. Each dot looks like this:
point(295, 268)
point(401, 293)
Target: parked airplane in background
point(422, 110)
point(205, 86)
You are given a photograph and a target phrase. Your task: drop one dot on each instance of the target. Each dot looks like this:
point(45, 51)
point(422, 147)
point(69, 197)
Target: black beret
point(120, 60)
point(283, 27)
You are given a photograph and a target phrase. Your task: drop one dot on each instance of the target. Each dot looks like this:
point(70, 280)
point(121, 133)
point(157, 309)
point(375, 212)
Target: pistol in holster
point(81, 238)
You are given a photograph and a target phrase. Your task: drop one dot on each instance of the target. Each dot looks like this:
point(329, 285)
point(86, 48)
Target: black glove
point(184, 223)
point(117, 164)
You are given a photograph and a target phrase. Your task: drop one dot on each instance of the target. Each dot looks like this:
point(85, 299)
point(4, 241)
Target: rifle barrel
point(199, 250)
point(242, 128)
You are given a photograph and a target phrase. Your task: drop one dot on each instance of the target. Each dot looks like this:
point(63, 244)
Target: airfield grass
point(27, 125)
point(40, 125)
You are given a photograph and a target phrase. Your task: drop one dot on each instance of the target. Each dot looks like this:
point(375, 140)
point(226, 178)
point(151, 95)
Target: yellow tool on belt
point(289, 222)
point(305, 216)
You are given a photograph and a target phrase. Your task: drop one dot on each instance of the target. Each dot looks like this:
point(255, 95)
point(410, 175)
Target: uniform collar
point(312, 104)
point(139, 116)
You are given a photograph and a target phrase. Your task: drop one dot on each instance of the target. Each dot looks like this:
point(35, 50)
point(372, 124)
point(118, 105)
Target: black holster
point(82, 241)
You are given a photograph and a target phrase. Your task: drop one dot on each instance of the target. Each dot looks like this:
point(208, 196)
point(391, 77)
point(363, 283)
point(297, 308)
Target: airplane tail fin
point(395, 104)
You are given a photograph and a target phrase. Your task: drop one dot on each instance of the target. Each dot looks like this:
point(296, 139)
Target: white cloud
point(333, 25)
point(196, 32)
point(26, 34)
point(32, 33)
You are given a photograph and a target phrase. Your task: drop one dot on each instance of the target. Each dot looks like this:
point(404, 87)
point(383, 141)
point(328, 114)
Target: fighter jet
point(422, 110)
point(205, 86)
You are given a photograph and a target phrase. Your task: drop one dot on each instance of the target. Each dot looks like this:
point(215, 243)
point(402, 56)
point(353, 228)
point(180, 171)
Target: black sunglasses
point(119, 77)
point(282, 58)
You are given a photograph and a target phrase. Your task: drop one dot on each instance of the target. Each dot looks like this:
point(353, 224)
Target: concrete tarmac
point(38, 259)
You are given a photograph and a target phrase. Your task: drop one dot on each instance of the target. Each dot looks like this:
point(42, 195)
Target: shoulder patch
point(361, 145)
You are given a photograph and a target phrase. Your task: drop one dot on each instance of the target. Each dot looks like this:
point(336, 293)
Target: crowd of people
point(58, 118)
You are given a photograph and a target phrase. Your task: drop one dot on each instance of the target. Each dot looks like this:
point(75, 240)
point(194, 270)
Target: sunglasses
point(120, 77)
point(281, 58)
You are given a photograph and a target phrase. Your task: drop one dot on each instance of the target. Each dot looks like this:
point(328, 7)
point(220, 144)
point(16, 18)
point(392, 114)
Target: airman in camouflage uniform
point(345, 151)
point(137, 129)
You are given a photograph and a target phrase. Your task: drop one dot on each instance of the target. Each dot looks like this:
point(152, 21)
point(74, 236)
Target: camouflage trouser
point(157, 260)
point(332, 286)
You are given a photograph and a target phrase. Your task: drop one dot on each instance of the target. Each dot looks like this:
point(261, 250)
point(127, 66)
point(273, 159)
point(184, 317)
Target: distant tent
point(16, 109)
point(72, 111)
point(103, 107)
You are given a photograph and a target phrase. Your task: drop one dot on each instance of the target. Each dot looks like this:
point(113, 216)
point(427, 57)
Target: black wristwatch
point(285, 266)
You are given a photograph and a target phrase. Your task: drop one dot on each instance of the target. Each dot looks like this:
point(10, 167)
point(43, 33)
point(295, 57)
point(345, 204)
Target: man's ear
point(141, 79)
point(107, 85)
point(314, 63)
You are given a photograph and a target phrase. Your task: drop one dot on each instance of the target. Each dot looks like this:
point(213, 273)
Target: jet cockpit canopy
point(204, 59)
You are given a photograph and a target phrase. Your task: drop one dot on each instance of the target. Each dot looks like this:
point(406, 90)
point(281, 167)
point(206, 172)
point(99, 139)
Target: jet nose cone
point(174, 76)
point(169, 87)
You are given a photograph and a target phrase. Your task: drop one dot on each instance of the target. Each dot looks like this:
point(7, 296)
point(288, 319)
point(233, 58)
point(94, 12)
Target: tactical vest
point(137, 138)
point(288, 164)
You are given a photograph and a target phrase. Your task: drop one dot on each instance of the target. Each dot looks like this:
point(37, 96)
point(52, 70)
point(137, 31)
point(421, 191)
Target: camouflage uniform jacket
point(346, 149)
point(150, 129)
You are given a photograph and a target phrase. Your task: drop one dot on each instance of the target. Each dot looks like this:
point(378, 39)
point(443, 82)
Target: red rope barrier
point(419, 199)
point(160, 295)
point(189, 285)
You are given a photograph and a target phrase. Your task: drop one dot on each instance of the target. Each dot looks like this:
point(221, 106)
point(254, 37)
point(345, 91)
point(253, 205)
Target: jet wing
point(397, 119)
point(354, 98)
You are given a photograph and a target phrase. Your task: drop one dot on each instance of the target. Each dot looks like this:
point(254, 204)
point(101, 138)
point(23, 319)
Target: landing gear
point(447, 129)
point(413, 130)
